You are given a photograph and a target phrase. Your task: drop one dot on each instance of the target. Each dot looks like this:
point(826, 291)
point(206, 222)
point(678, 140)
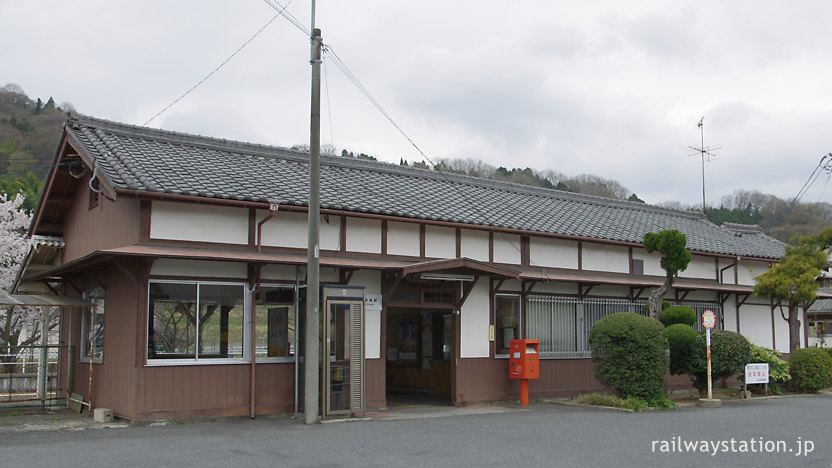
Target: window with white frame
point(92, 327)
point(506, 321)
point(274, 322)
point(196, 321)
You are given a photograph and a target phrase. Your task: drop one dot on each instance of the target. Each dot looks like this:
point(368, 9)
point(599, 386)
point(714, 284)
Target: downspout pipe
point(722, 270)
point(274, 205)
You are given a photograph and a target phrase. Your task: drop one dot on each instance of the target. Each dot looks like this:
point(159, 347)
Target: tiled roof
point(822, 304)
point(144, 159)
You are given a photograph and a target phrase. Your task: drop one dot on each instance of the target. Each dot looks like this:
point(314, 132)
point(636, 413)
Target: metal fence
point(562, 324)
point(35, 375)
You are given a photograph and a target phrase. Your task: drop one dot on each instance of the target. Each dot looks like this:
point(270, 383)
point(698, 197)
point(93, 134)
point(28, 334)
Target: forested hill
point(30, 128)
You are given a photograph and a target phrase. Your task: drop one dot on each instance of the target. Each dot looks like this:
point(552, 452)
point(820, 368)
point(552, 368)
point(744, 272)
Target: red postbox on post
point(524, 364)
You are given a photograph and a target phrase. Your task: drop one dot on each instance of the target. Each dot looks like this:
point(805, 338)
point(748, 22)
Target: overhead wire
point(35, 169)
point(281, 10)
point(328, 51)
point(825, 165)
point(217, 68)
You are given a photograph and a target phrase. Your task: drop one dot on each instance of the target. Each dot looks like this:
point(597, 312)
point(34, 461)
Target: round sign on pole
point(709, 319)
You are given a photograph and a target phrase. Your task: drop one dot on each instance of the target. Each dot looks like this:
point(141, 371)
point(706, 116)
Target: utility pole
point(312, 346)
point(701, 126)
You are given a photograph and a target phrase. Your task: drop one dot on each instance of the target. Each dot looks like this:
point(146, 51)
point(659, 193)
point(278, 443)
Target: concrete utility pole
point(312, 346)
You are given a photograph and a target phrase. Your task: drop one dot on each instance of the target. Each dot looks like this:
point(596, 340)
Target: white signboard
point(756, 374)
point(372, 302)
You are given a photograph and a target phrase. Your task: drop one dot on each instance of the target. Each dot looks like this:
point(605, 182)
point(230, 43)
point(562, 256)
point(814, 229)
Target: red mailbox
point(523, 359)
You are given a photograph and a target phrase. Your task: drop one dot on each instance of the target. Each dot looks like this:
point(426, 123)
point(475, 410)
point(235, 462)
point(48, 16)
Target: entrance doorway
point(420, 350)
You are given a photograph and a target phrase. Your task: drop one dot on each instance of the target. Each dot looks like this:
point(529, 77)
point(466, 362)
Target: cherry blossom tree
point(19, 326)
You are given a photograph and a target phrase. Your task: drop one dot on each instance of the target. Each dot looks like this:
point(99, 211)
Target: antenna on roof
point(705, 152)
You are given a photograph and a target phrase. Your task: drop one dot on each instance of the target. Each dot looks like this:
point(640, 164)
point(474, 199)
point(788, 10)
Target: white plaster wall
point(601, 257)
point(198, 223)
point(749, 269)
point(755, 324)
point(363, 235)
point(329, 233)
point(727, 276)
point(371, 280)
point(555, 288)
point(474, 244)
point(729, 314)
point(554, 253)
point(700, 267)
point(474, 323)
point(511, 285)
point(781, 331)
point(328, 275)
point(506, 248)
point(199, 269)
point(278, 272)
point(290, 229)
point(701, 296)
point(652, 261)
point(403, 239)
point(440, 242)
point(610, 291)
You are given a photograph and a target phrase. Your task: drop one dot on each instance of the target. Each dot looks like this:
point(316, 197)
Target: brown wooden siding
point(486, 379)
point(109, 225)
point(113, 380)
point(375, 392)
point(274, 388)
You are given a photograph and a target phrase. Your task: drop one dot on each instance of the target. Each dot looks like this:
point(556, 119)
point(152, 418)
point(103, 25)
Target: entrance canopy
point(459, 266)
point(45, 300)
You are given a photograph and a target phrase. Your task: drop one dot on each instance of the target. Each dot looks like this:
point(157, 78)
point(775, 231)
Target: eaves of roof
point(141, 160)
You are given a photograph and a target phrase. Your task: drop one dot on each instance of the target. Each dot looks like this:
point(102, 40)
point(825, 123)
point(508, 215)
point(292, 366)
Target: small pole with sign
point(709, 321)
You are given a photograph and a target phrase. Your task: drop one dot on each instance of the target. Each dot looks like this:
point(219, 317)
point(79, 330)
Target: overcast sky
point(611, 88)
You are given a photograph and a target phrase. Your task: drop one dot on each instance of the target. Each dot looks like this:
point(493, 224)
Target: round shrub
point(730, 352)
point(811, 369)
point(630, 354)
point(678, 314)
point(681, 339)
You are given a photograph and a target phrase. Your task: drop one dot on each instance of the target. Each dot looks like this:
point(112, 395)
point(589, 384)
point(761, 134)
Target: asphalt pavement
point(773, 432)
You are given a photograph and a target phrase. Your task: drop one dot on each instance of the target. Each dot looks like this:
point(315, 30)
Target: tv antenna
point(705, 153)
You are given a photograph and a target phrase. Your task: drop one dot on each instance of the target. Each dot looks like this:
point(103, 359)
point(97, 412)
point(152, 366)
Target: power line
point(34, 169)
point(218, 67)
point(328, 51)
point(281, 10)
point(825, 165)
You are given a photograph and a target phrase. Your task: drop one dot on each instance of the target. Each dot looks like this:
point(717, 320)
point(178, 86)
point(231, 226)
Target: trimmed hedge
point(730, 352)
point(682, 340)
point(678, 314)
point(630, 354)
point(811, 369)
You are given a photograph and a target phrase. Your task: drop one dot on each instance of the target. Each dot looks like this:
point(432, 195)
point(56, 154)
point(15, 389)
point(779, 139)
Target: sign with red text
point(756, 374)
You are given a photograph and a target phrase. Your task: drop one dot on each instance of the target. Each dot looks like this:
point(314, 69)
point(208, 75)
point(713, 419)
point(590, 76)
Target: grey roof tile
point(145, 159)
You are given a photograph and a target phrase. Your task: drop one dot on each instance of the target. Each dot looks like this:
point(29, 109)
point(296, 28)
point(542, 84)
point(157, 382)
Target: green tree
point(671, 244)
point(791, 282)
point(29, 185)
